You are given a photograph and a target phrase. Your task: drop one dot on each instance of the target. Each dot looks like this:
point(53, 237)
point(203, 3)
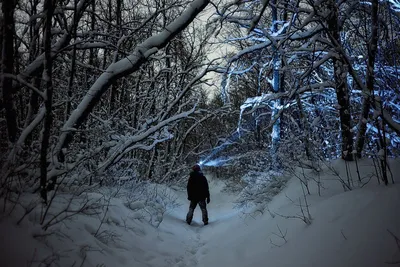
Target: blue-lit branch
point(395, 5)
point(231, 140)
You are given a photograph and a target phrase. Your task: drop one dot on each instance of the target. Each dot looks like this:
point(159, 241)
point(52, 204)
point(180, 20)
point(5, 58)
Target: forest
point(102, 93)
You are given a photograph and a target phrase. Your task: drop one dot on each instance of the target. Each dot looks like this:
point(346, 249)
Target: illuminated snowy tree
point(320, 67)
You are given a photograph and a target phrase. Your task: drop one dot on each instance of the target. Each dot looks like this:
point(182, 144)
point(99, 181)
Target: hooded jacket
point(197, 187)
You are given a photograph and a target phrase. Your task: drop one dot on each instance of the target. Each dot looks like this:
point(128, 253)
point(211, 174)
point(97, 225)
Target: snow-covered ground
point(350, 228)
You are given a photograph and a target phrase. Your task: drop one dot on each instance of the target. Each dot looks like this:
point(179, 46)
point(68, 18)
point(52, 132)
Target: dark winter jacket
point(197, 187)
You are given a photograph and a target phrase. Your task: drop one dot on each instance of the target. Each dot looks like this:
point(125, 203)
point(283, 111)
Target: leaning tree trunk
point(126, 66)
point(368, 97)
point(47, 77)
point(340, 76)
point(7, 67)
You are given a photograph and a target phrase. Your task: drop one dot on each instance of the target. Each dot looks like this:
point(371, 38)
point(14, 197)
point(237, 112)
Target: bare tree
point(370, 78)
point(48, 97)
point(340, 76)
point(7, 64)
point(127, 66)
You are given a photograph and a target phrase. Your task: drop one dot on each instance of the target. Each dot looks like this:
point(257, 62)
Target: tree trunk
point(136, 93)
point(34, 51)
point(32, 109)
point(276, 129)
point(114, 87)
point(150, 168)
point(7, 67)
point(372, 49)
point(73, 63)
point(340, 76)
point(305, 129)
point(93, 28)
point(47, 77)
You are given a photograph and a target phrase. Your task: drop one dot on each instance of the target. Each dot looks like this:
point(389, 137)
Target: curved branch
point(127, 66)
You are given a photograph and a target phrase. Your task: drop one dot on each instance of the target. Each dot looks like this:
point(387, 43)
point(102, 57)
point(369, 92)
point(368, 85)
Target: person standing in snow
point(198, 193)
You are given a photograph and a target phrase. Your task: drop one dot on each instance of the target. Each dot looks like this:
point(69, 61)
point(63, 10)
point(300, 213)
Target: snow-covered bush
point(120, 173)
point(260, 189)
point(151, 201)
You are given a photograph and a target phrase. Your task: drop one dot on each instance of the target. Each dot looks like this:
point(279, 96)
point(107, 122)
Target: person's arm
point(189, 188)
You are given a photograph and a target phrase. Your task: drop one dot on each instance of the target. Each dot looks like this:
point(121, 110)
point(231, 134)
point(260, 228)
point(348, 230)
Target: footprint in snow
point(204, 251)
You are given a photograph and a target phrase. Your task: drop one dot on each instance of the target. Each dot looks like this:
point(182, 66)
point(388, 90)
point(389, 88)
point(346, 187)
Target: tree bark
point(340, 76)
point(73, 62)
point(7, 67)
point(47, 77)
point(34, 51)
point(366, 106)
point(305, 129)
point(114, 87)
point(276, 62)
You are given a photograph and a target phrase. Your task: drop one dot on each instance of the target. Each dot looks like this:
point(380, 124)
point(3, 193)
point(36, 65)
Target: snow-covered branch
point(35, 65)
point(129, 65)
point(19, 79)
point(133, 140)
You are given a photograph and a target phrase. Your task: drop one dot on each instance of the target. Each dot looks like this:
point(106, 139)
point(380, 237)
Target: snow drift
point(352, 228)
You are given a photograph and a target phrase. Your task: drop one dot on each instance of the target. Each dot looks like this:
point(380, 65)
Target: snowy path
point(348, 229)
point(196, 237)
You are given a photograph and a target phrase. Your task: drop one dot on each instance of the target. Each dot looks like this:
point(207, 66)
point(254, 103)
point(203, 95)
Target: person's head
point(196, 168)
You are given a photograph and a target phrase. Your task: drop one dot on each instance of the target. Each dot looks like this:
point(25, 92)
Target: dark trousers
point(192, 207)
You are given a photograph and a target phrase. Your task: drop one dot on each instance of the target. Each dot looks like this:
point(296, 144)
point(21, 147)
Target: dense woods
point(96, 92)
